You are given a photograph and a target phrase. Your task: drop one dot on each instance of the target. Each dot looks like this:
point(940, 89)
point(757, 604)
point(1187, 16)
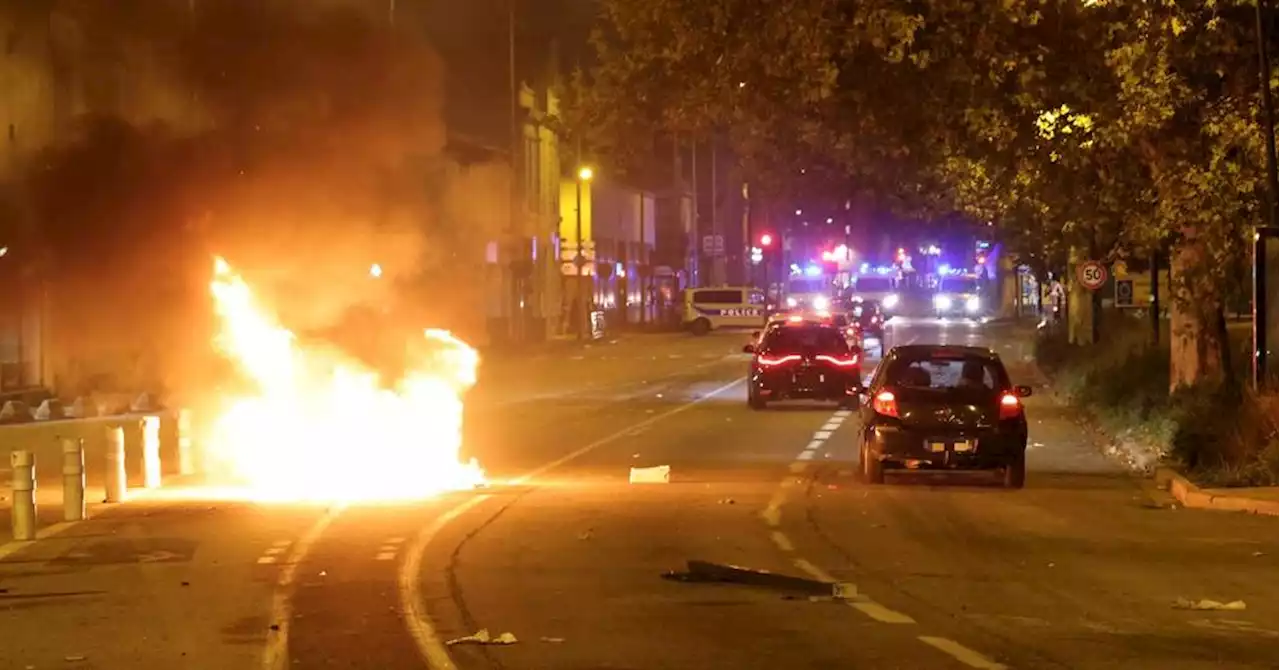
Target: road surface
point(1084, 568)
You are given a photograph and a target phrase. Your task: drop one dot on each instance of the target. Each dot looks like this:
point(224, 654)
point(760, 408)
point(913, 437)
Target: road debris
point(706, 572)
point(1186, 604)
point(660, 474)
point(482, 636)
point(727, 501)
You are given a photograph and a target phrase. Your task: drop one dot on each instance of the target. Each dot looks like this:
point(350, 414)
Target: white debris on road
point(660, 474)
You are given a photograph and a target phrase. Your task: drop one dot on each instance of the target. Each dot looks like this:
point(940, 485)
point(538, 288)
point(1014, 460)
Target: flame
point(321, 427)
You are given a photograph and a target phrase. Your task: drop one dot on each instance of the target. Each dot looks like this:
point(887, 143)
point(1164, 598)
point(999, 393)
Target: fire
point(319, 426)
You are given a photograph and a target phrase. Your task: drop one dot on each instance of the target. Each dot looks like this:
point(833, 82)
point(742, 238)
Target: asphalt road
point(1082, 569)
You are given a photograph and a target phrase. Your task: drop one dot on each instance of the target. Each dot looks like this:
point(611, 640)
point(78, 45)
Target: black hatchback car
point(944, 407)
point(803, 359)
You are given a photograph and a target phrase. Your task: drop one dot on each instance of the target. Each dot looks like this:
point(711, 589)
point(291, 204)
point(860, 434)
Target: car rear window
point(796, 339)
point(946, 371)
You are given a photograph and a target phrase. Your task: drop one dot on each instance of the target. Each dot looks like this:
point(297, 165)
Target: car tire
point(872, 469)
point(1015, 473)
point(700, 326)
point(754, 401)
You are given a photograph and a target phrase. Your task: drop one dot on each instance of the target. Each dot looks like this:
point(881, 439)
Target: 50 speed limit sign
point(1092, 275)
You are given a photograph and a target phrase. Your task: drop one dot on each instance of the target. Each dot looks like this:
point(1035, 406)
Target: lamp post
point(1262, 302)
point(585, 175)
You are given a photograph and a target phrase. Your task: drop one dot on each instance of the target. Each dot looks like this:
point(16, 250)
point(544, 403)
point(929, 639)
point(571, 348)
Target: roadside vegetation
point(1220, 433)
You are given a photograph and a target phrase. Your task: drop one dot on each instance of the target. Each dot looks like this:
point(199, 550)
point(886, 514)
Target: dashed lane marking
point(822, 435)
point(782, 541)
point(271, 554)
point(389, 549)
point(813, 445)
point(430, 646)
point(962, 653)
point(805, 455)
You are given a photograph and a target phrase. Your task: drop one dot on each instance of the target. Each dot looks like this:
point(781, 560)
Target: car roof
point(923, 349)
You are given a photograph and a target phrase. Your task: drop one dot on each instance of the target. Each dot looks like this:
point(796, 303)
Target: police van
point(708, 309)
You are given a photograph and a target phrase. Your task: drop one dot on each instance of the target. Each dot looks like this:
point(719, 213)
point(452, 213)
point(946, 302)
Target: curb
point(1192, 496)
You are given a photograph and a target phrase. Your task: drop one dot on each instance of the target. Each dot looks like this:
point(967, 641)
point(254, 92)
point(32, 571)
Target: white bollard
point(186, 458)
point(150, 429)
point(72, 479)
point(24, 494)
point(117, 484)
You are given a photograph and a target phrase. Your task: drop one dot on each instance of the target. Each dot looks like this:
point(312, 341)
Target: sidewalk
point(1255, 500)
point(49, 510)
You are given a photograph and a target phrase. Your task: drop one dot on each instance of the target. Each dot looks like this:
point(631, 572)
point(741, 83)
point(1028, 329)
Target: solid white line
point(416, 619)
point(962, 653)
point(805, 455)
point(822, 435)
point(782, 541)
point(276, 654)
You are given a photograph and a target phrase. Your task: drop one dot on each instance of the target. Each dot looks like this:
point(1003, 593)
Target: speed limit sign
point(1092, 275)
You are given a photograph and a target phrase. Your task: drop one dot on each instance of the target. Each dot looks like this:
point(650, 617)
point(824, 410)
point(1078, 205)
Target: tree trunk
point(1192, 356)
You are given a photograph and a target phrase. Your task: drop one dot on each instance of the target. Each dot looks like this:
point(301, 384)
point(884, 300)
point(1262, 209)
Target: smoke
point(303, 142)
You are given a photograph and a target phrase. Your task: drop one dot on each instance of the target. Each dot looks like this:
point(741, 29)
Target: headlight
point(791, 302)
point(942, 301)
point(820, 303)
point(890, 300)
point(972, 304)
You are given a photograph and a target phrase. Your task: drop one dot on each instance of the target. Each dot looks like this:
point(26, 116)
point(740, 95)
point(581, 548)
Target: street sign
point(713, 245)
point(1092, 275)
point(1124, 293)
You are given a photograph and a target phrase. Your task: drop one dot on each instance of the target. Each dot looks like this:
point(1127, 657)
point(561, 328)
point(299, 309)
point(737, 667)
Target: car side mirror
point(748, 349)
point(1022, 391)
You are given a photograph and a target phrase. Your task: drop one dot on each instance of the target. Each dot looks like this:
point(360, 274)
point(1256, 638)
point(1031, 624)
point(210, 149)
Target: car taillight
point(1010, 406)
point(851, 331)
point(766, 361)
point(844, 362)
point(885, 403)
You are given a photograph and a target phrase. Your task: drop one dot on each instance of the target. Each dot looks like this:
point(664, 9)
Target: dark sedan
point(944, 407)
point(803, 360)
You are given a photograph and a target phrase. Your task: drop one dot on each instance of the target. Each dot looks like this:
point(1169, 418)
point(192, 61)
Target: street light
point(585, 174)
point(766, 240)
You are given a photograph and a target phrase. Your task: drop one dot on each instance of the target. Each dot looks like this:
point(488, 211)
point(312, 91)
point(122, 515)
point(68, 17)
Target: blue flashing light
point(882, 270)
point(813, 271)
point(944, 269)
point(864, 268)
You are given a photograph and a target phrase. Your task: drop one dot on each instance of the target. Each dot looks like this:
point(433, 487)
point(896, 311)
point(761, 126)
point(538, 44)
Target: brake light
point(851, 331)
point(1010, 406)
point(885, 403)
point(842, 362)
point(766, 361)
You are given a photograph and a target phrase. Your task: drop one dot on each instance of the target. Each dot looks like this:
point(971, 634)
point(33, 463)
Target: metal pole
point(24, 494)
point(1155, 297)
point(72, 479)
point(643, 263)
point(149, 428)
point(186, 457)
point(1260, 299)
point(579, 260)
point(117, 484)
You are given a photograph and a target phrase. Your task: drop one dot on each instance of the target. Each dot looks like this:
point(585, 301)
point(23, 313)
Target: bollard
point(24, 494)
point(117, 485)
point(72, 479)
point(186, 458)
point(150, 429)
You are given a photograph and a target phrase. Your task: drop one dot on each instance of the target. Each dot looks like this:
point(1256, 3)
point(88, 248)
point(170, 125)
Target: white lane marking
point(782, 541)
point(416, 619)
point(813, 570)
point(797, 468)
point(843, 413)
point(395, 540)
point(272, 551)
point(831, 426)
point(275, 656)
point(772, 513)
point(814, 444)
point(385, 556)
point(881, 613)
point(822, 435)
point(266, 560)
point(962, 653)
point(282, 543)
point(805, 455)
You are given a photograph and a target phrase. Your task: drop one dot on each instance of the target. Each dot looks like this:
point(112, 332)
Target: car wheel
point(754, 401)
point(1015, 473)
point(872, 468)
point(700, 327)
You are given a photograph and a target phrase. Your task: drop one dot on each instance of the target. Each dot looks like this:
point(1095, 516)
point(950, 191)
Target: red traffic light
point(766, 240)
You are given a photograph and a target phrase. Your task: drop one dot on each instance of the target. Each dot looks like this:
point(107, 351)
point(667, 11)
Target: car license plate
point(957, 445)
